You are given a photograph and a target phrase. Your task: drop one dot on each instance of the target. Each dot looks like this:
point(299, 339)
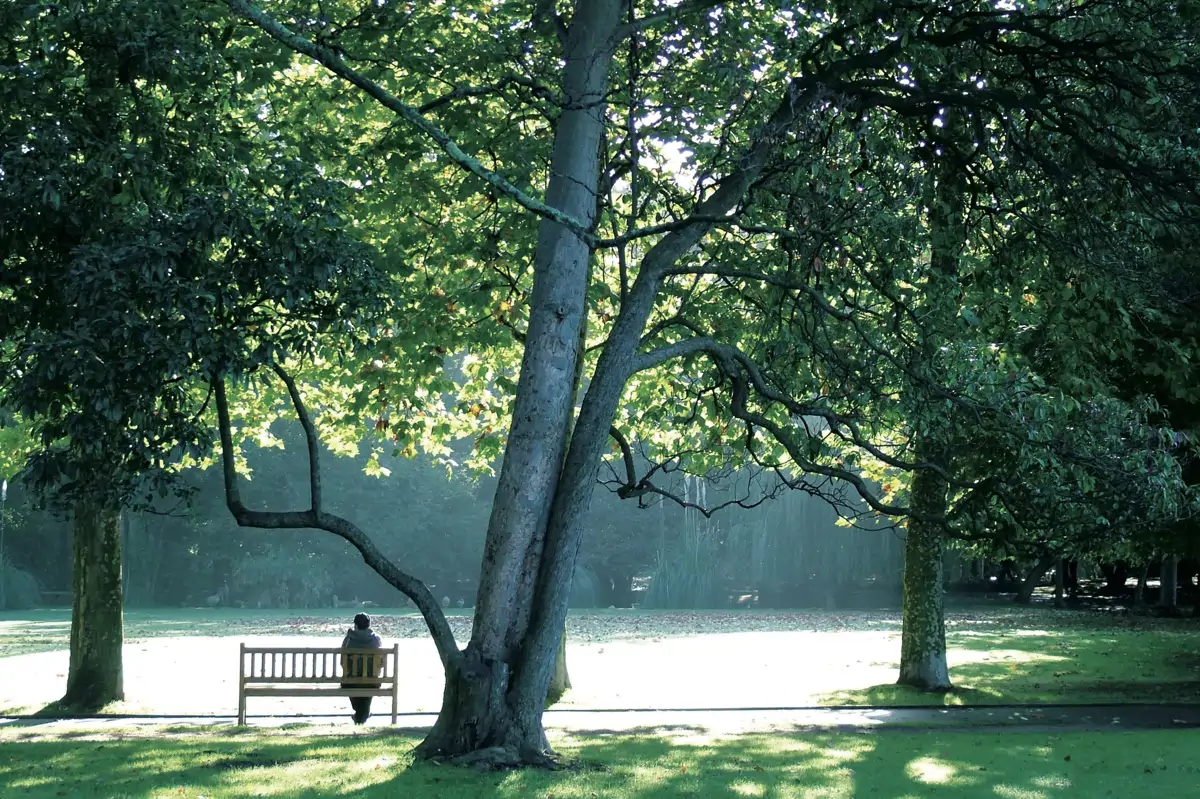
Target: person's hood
point(361, 639)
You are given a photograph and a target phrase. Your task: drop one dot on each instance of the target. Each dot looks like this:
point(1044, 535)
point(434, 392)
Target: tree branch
point(335, 64)
point(317, 519)
point(310, 438)
point(724, 354)
point(460, 92)
point(632, 486)
point(669, 15)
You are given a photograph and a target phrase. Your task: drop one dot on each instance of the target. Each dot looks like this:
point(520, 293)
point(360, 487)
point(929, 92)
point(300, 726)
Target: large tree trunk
point(923, 627)
point(1115, 577)
point(1139, 593)
point(528, 568)
point(1033, 579)
point(923, 633)
point(481, 708)
point(95, 676)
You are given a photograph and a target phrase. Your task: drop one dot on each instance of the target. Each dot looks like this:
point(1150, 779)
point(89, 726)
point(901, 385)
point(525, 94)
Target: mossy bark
point(95, 676)
point(560, 683)
point(923, 637)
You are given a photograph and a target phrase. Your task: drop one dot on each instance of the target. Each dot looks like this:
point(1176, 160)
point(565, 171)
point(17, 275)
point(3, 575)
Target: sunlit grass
point(625, 659)
point(1157, 664)
point(889, 764)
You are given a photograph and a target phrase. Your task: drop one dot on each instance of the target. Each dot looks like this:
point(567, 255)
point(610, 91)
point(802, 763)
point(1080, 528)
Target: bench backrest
point(278, 664)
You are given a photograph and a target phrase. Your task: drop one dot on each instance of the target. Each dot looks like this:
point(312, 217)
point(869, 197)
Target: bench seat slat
point(307, 680)
point(318, 692)
point(320, 650)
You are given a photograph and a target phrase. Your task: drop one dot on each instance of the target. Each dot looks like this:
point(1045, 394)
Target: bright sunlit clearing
point(931, 771)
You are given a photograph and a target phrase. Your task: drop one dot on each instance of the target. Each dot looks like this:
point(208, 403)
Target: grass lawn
point(1068, 658)
point(886, 764)
point(644, 659)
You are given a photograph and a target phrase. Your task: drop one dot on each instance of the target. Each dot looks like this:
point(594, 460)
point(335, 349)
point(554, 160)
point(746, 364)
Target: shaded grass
point(1158, 662)
point(891, 764)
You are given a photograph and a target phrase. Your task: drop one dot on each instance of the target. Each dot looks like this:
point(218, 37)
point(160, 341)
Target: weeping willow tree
point(790, 551)
point(688, 573)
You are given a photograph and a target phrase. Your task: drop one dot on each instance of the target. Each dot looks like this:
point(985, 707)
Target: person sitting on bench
point(360, 636)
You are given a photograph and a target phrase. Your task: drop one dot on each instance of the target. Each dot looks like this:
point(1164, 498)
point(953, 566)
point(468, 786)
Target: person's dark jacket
point(361, 639)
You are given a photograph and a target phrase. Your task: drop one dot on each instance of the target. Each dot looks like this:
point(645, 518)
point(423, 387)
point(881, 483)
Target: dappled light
point(959, 764)
point(931, 770)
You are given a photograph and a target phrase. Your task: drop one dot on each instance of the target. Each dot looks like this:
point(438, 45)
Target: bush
point(21, 590)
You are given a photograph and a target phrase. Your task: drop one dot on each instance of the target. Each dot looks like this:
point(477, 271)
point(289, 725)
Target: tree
point(151, 236)
point(754, 108)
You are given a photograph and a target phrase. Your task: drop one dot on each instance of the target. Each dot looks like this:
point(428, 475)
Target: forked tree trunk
point(618, 361)
point(95, 675)
point(923, 635)
point(482, 706)
point(1033, 579)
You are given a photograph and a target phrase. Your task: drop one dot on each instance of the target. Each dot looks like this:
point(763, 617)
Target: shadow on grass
point(829, 765)
point(1135, 664)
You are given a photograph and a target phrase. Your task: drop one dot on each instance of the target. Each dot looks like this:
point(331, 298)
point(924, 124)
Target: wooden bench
point(286, 671)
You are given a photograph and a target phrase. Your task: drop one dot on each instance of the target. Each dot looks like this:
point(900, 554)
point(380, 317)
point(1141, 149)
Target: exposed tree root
point(502, 758)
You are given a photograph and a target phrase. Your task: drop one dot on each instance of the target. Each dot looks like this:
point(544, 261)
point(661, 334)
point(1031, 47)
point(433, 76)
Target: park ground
point(184, 662)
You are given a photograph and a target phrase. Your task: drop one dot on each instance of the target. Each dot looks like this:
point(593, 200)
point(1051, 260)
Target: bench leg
point(241, 709)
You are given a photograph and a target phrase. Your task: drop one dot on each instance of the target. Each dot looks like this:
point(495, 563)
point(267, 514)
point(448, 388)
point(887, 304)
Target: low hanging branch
point(317, 518)
point(631, 486)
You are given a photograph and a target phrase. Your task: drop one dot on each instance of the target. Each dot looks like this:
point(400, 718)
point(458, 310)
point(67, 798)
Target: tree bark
point(923, 628)
point(1168, 592)
point(560, 681)
point(1060, 583)
point(95, 675)
point(541, 424)
point(1139, 593)
point(1031, 581)
point(1115, 576)
point(923, 636)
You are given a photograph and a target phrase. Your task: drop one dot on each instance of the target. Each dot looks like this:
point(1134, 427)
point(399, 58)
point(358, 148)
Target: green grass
point(1132, 661)
point(888, 764)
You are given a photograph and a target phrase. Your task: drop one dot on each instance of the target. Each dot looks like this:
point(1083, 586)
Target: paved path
point(702, 722)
